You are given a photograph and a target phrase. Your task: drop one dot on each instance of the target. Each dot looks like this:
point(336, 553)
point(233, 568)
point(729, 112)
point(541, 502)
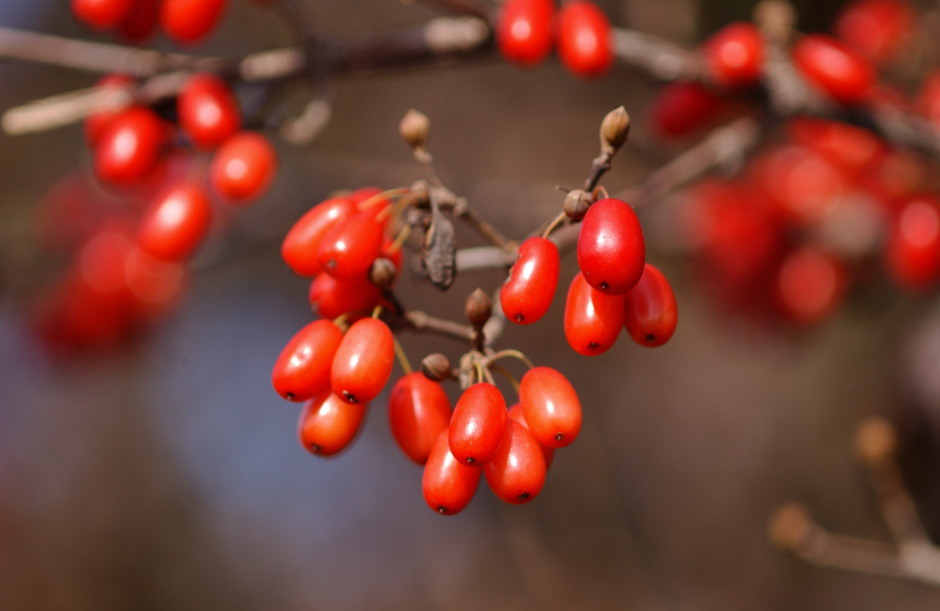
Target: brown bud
point(790, 526)
point(414, 128)
point(775, 18)
point(875, 441)
point(436, 367)
point(479, 307)
point(577, 203)
point(614, 130)
point(383, 273)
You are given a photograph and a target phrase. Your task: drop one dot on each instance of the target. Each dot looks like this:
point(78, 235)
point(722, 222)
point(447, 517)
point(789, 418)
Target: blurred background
point(166, 474)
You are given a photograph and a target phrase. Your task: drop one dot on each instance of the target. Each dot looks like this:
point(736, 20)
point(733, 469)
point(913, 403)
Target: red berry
point(592, 318)
point(176, 224)
point(530, 286)
point(913, 245)
point(301, 246)
point(477, 424)
point(302, 369)
point(328, 424)
point(243, 167)
point(524, 31)
point(448, 485)
point(363, 361)
point(101, 14)
point(516, 473)
point(188, 21)
point(140, 23)
point(130, 146)
point(418, 410)
point(735, 55)
point(877, 29)
point(833, 68)
point(350, 246)
point(810, 284)
point(802, 184)
point(98, 123)
point(651, 314)
point(551, 407)
point(681, 108)
point(518, 414)
point(611, 250)
point(208, 111)
point(928, 99)
point(332, 297)
point(585, 43)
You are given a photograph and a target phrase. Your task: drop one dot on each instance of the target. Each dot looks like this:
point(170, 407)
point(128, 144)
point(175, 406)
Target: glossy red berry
point(651, 314)
point(516, 474)
point(448, 485)
point(243, 167)
point(912, 250)
point(129, 147)
point(592, 318)
point(350, 246)
point(301, 246)
point(611, 249)
point(418, 410)
point(682, 108)
point(517, 413)
point(332, 297)
point(551, 407)
point(833, 68)
point(176, 223)
point(530, 287)
point(477, 424)
point(735, 55)
point(328, 424)
point(101, 14)
point(584, 39)
point(302, 369)
point(189, 21)
point(877, 29)
point(208, 111)
point(524, 31)
point(98, 123)
point(363, 361)
point(810, 284)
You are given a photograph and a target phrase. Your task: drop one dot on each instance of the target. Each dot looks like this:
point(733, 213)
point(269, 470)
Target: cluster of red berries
point(184, 21)
point(806, 216)
point(528, 30)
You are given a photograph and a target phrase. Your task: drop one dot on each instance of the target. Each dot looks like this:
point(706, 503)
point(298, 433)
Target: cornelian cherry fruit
point(208, 111)
point(528, 292)
point(592, 318)
point(448, 485)
point(477, 424)
point(524, 31)
point(418, 410)
point(363, 361)
point(516, 474)
point(243, 167)
point(301, 246)
point(351, 245)
point(129, 147)
point(517, 413)
point(302, 370)
point(189, 21)
point(332, 297)
point(584, 39)
point(651, 313)
point(735, 55)
point(101, 14)
point(551, 407)
point(176, 224)
point(834, 68)
point(611, 249)
point(328, 424)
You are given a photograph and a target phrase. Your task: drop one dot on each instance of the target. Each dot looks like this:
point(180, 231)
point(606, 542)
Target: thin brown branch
point(424, 322)
point(660, 58)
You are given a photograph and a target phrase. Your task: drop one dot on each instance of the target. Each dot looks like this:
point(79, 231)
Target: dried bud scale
point(614, 130)
point(576, 205)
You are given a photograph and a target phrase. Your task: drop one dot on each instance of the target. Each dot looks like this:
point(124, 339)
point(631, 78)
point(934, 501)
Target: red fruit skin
point(524, 31)
point(208, 111)
point(129, 148)
point(328, 424)
point(101, 14)
point(418, 410)
point(912, 250)
point(810, 285)
point(551, 407)
point(611, 249)
point(592, 319)
point(189, 21)
point(877, 29)
point(530, 287)
point(735, 55)
point(517, 472)
point(363, 361)
point(477, 424)
point(141, 21)
point(332, 297)
point(302, 369)
point(176, 224)
point(516, 413)
point(349, 247)
point(301, 246)
point(681, 108)
point(243, 167)
point(98, 123)
point(650, 310)
point(833, 68)
point(448, 485)
point(927, 101)
point(583, 35)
